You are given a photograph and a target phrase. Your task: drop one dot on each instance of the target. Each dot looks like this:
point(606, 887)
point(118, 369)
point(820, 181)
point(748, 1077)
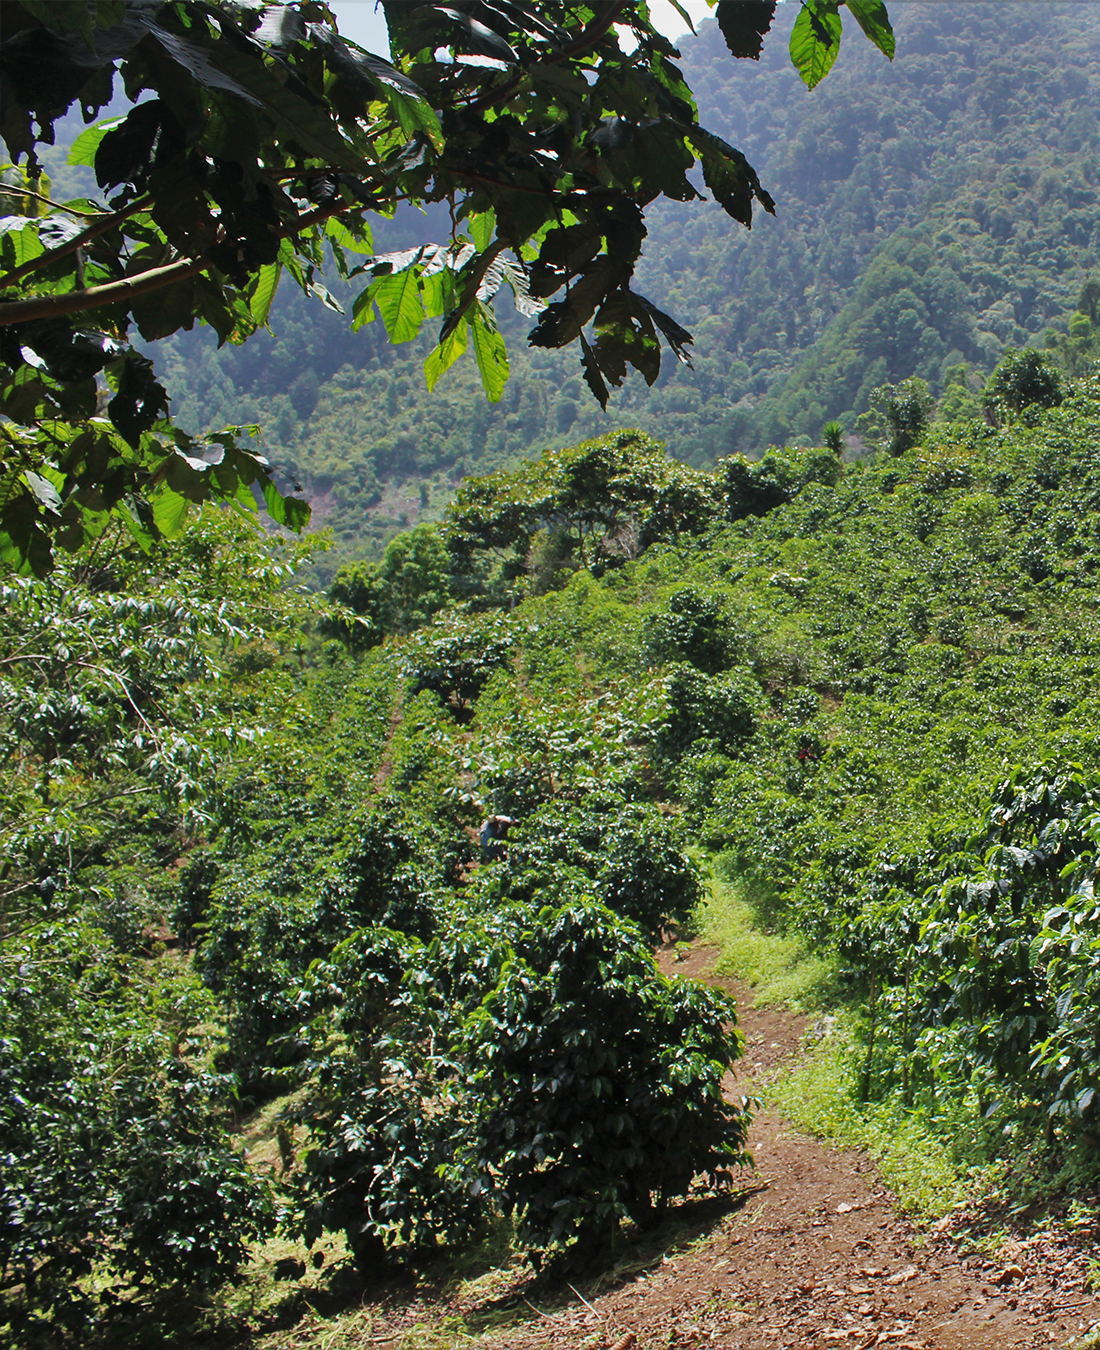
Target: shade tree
point(400, 593)
point(261, 144)
point(604, 500)
point(1022, 378)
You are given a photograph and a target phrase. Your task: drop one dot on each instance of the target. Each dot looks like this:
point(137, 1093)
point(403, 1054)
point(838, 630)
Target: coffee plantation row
point(242, 868)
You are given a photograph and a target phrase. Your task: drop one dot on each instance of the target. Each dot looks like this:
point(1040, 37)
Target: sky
point(357, 20)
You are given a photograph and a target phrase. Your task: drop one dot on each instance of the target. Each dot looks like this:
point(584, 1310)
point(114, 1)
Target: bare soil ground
point(815, 1256)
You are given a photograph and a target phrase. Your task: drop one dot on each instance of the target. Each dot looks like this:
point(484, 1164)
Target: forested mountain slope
point(869, 689)
point(930, 213)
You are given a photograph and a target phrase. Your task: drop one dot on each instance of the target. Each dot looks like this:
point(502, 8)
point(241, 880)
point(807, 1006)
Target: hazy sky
point(358, 20)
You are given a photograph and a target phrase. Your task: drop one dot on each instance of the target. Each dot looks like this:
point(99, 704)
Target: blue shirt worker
point(494, 832)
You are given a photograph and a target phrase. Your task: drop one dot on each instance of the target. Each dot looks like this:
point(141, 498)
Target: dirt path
point(817, 1258)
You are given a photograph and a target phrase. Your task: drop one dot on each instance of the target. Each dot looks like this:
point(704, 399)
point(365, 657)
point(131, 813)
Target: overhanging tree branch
point(96, 297)
point(101, 226)
point(114, 292)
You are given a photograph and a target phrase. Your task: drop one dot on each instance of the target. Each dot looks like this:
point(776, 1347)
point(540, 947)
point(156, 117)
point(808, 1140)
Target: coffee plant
point(598, 1081)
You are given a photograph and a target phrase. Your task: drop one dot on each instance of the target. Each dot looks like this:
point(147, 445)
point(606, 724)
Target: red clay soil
point(816, 1258)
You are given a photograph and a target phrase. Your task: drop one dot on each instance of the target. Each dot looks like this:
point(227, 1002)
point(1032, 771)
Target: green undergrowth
point(937, 1156)
point(932, 1163)
point(330, 1309)
point(465, 1299)
point(780, 968)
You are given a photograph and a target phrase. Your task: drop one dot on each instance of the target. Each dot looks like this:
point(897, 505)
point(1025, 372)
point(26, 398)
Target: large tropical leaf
point(872, 18)
point(815, 40)
point(492, 358)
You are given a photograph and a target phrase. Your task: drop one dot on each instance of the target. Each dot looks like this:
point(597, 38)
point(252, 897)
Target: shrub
point(117, 1160)
point(599, 1081)
point(292, 904)
point(719, 711)
point(388, 1119)
point(695, 628)
point(535, 1062)
point(753, 489)
point(1022, 379)
point(898, 414)
point(455, 656)
point(256, 947)
point(624, 853)
point(378, 876)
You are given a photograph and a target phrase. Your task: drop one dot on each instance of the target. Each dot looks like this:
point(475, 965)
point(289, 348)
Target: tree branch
point(57, 206)
point(96, 297)
point(113, 292)
point(71, 246)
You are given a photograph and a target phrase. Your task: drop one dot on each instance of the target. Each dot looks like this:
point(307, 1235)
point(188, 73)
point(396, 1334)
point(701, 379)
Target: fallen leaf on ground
point(902, 1276)
point(1009, 1274)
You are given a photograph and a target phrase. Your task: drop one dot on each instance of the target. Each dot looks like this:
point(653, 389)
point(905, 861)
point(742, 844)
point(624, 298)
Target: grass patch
point(932, 1164)
point(931, 1159)
point(781, 969)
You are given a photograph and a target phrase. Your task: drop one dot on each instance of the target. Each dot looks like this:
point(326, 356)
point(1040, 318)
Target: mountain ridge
point(931, 213)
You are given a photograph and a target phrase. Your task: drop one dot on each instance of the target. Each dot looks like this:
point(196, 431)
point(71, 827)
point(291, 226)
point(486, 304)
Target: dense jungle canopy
point(931, 213)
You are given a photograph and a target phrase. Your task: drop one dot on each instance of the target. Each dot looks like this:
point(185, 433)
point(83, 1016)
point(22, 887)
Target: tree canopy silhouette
point(262, 144)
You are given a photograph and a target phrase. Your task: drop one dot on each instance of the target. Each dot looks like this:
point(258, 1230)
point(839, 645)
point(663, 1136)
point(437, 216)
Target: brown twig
point(625, 1341)
point(101, 226)
point(129, 288)
point(583, 1299)
point(8, 190)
